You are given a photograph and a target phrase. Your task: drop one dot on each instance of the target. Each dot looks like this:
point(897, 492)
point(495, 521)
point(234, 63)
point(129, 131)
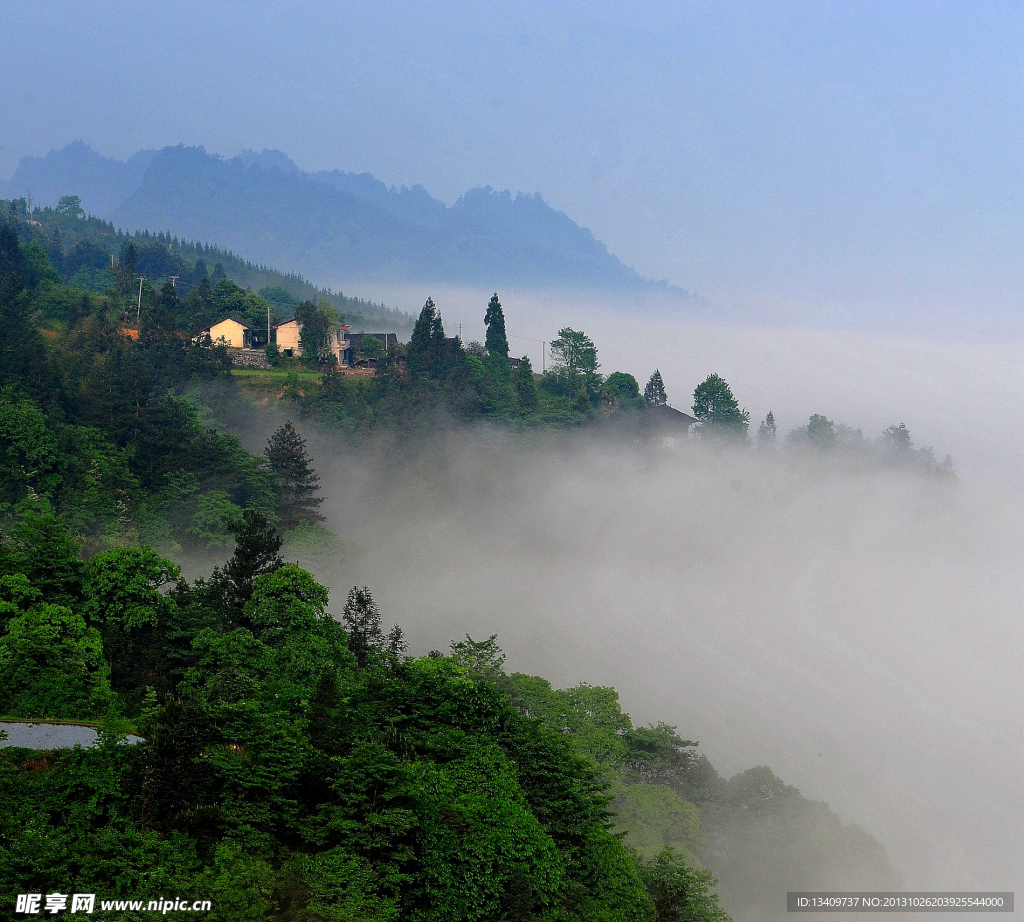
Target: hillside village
point(247, 348)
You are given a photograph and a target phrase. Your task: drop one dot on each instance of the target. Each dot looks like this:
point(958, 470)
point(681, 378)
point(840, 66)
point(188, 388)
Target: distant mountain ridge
point(334, 226)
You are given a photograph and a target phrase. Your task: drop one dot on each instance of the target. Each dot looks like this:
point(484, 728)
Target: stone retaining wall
point(249, 358)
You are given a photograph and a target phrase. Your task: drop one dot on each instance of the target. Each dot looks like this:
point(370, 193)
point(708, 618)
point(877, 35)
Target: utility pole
point(268, 323)
point(543, 357)
point(138, 313)
point(460, 334)
point(174, 281)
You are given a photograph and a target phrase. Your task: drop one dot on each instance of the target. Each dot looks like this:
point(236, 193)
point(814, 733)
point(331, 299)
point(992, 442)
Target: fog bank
point(959, 389)
point(856, 628)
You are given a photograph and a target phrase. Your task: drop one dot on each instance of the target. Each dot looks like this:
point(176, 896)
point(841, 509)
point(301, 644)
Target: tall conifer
point(287, 457)
point(419, 351)
point(654, 393)
point(496, 340)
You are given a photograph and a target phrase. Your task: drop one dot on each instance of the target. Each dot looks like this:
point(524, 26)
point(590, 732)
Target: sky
point(789, 159)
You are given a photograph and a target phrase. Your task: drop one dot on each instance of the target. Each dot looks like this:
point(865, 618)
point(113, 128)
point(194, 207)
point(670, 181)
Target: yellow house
point(288, 336)
point(232, 332)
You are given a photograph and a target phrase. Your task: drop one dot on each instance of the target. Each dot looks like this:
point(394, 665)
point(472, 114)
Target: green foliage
point(228, 298)
point(496, 341)
point(124, 587)
point(524, 385)
point(372, 348)
point(574, 361)
point(38, 268)
point(820, 432)
point(680, 893)
point(49, 557)
point(70, 206)
point(214, 519)
point(897, 439)
point(314, 338)
point(621, 392)
point(765, 838)
point(718, 411)
point(498, 377)
point(482, 659)
point(288, 459)
point(655, 817)
point(29, 454)
point(654, 392)
point(317, 548)
point(366, 639)
point(52, 665)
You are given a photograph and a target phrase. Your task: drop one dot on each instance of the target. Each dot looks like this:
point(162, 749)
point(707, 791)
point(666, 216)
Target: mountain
point(334, 226)
point(101, 182)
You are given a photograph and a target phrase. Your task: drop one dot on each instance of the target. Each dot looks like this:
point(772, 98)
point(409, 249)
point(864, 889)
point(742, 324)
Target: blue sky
point(805, 158)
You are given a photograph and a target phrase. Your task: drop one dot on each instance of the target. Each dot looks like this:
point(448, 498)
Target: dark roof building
point(668, 419)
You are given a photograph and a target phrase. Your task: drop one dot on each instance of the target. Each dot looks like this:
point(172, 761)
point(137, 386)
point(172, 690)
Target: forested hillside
point(297, 763)
point(91, 253)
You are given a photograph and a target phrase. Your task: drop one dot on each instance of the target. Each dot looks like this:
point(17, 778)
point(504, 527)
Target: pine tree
point(362, 622)
point(654, 393)
point(524, 384)
point(257, 544)
point(496, 341)
point(287, 457)
point(766, 431)
point(419, 351)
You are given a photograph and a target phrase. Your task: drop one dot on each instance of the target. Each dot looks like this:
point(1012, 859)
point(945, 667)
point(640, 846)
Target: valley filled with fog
point(854, 626)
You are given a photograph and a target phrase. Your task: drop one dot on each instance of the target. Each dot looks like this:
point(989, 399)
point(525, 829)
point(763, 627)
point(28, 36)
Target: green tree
point(679, 892)
point(897, 439)
point(257, 546)
point(524, 385)
point(621, 391)
point(482, 659)
point(287, 603)
point(718, 410)
point(52, 665)
point(125, 269)
point(299, 483)
point(127, 587)
point(821, 433)
point(654, 392)
point(29, 454)
point(49, 557)
point(372, 348)
point(70, 206)
point(766, 433)
point(496, 340)
point(314, 338)
point(214, 519)
point(574, 358)
point(362, 622)
point(420, 344)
